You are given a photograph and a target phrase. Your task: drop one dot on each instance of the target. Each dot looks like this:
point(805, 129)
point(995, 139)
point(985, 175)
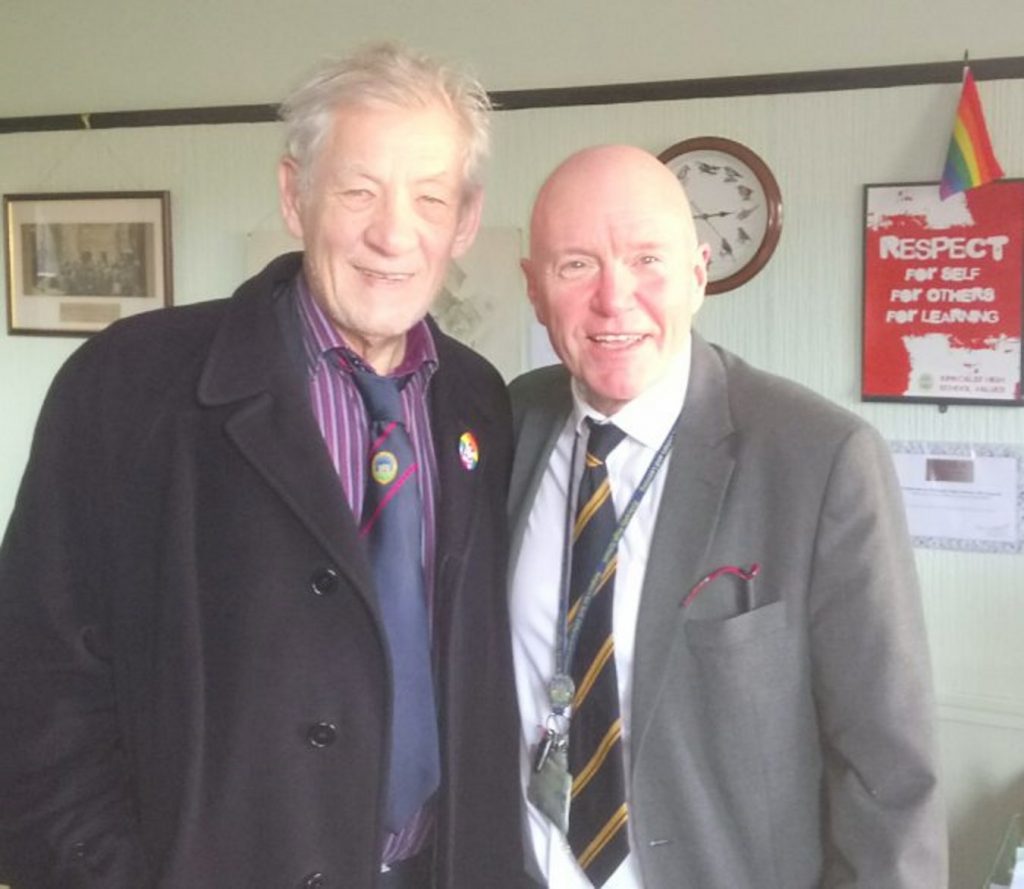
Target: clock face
point(735, 204)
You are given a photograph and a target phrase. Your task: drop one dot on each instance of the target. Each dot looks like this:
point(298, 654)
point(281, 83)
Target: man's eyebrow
point(347, 168)
point(441, 175)
point(561, 252)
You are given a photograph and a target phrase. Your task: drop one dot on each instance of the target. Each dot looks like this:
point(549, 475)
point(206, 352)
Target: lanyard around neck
point(560, 687)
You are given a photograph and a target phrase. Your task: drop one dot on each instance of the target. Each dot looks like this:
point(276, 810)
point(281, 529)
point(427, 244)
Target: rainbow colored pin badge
point(469, 451)
point(384, 467)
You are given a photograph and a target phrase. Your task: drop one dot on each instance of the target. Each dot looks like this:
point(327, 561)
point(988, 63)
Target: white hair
point(392, 75)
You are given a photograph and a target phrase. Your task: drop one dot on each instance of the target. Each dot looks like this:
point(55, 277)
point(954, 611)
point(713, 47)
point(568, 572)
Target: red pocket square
point(747, 574)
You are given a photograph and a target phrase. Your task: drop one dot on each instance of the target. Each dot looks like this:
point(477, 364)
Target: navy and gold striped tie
point(598, 813)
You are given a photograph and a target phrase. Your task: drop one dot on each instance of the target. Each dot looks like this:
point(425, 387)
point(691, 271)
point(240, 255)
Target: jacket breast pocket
point(760, 623)
point(747, 669)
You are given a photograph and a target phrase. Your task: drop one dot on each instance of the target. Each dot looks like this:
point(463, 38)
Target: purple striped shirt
point(345, 426)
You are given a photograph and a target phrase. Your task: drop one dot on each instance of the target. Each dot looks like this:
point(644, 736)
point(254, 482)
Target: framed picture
point(943, 294)
point(80, 261)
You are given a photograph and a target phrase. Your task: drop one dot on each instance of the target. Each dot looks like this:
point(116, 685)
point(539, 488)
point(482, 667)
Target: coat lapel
point(454, 411)
point(254, 374)
point(698, 477)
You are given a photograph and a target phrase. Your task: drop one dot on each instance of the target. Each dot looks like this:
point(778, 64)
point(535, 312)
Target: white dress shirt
point(536, 576)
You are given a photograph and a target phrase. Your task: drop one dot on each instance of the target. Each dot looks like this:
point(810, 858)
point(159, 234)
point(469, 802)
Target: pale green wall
point(800, 317)
point(57, 56)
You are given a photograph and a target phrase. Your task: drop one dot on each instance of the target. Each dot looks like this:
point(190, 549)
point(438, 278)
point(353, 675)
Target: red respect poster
point(943, 294)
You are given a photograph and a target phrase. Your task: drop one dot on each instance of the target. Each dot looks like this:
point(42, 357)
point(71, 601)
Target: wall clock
point(736, 205)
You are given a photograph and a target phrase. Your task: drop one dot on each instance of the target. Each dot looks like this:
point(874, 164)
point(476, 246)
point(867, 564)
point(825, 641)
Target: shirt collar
point(321, 338)
point(650, 416)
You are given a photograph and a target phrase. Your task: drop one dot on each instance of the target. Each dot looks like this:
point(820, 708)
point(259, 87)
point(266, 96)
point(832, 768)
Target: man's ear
point(700, 272)
point(533, 289)
point(289, 188)
point(470, 210)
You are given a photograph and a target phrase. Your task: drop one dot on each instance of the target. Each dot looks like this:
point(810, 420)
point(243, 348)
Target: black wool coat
point(193, 674)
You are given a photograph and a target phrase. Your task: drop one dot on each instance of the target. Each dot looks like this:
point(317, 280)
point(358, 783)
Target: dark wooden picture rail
point(1009, 68)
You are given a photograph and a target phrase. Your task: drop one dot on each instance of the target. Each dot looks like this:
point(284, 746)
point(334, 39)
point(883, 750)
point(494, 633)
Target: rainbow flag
point(970, 161)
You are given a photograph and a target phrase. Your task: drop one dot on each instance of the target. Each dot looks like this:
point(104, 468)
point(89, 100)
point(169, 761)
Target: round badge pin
point(469, 451)
point(384, 467)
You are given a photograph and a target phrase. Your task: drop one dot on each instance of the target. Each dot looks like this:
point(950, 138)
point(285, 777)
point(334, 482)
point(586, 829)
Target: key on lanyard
point(550, 743)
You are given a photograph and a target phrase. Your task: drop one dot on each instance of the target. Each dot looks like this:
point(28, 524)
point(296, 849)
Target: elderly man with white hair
point(253, 630)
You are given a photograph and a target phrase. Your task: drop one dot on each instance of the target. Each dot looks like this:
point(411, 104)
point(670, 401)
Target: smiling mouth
point(617, 340)
point(383, 276)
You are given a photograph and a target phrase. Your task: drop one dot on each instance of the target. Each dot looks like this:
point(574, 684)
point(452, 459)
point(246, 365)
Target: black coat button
point(324, 582)
point(321, 734)
point(314, 881)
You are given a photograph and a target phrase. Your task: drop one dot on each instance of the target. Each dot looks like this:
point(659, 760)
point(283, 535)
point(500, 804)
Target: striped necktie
point(392, 524)
point(598, 813)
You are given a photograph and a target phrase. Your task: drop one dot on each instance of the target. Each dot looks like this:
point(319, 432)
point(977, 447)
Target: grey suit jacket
point(782, 731)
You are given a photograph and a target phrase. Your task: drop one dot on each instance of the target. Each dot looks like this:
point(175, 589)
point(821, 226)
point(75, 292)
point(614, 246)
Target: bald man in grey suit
point(775, 725)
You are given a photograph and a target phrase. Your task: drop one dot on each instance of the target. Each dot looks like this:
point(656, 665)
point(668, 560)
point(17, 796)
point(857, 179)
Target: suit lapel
point(253, 373)
point(698, 477)
point(538, 431)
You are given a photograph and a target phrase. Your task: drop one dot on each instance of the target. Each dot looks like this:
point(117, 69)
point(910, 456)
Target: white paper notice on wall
point(962, 496)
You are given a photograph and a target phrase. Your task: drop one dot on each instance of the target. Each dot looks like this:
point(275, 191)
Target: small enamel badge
point(384, 467)
point(469, 452)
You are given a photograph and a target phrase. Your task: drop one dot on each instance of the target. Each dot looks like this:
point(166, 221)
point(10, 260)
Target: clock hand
point(704, 217)
point(725, 248)
point(707, 216)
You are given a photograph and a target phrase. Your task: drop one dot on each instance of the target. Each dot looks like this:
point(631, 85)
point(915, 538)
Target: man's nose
point(392, 228)
point(614, 291)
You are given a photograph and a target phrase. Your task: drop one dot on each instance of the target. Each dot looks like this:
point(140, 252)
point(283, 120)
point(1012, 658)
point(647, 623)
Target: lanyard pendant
point(561, 690)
